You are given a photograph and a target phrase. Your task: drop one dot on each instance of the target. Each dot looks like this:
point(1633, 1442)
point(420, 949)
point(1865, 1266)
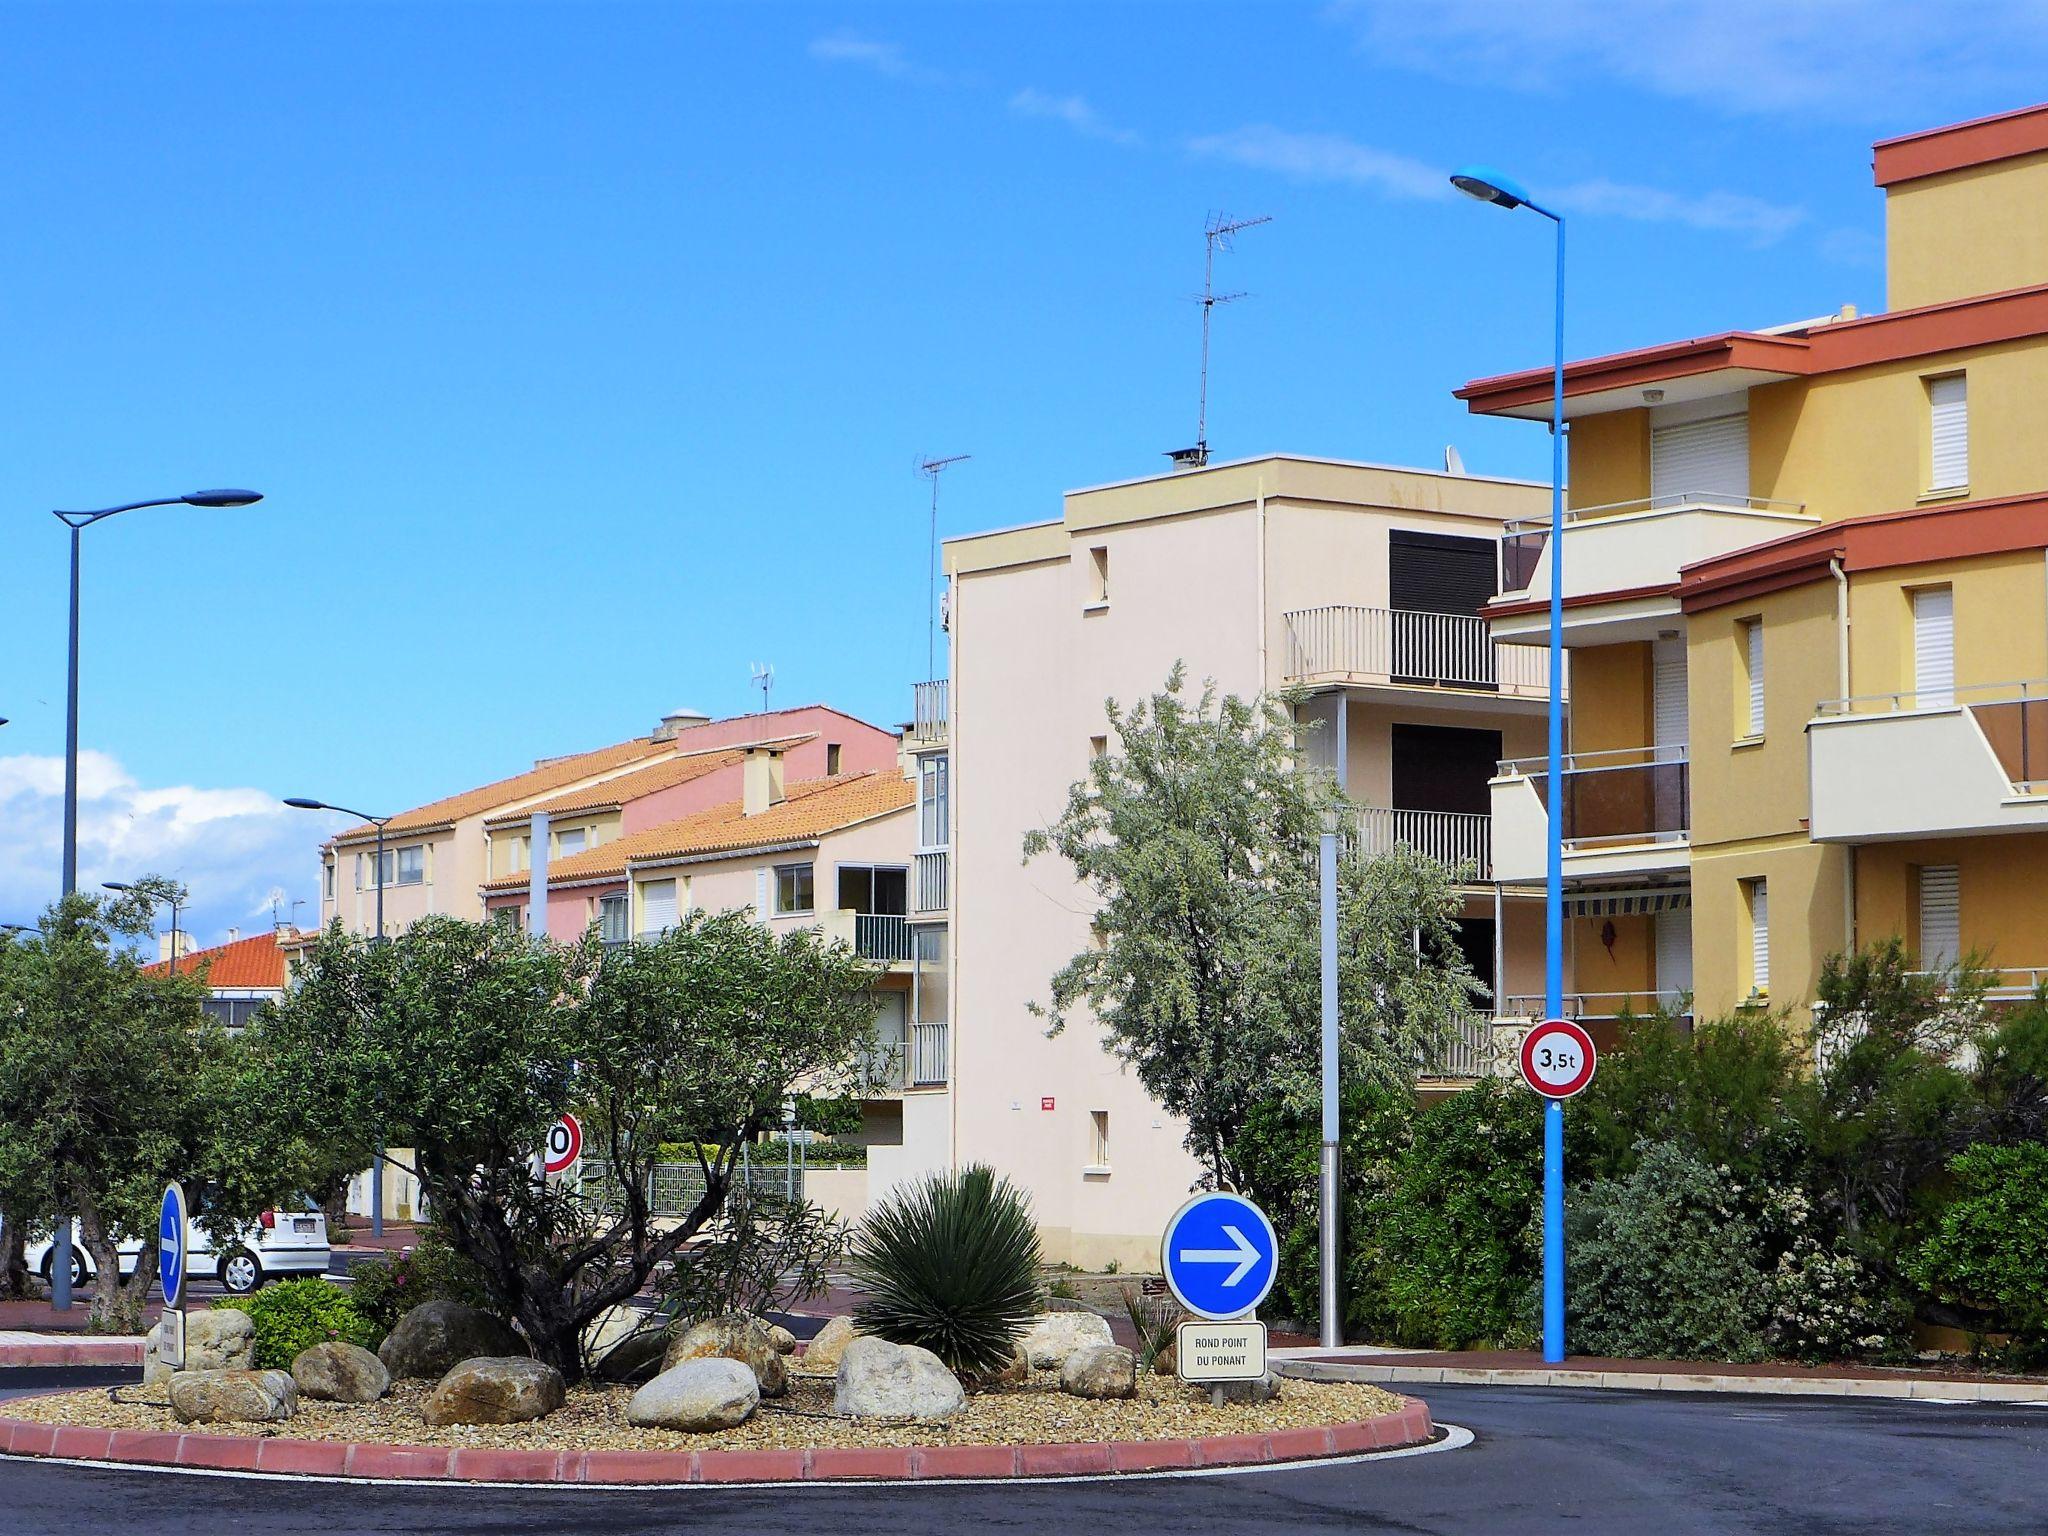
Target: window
point(1934, 647)
point(612, 922)
point(509, 917)
point(232, 1013)
point(794, 889)
point(1948, 411)
point(1098, 1131)
point(327, 873)
point(362, 863)
point(874, 888)
point(831, 758)
point(657, 906)
point(411, 864)
point(1098, 746)
point(1098, 575)
point(1695, 455)
point(369, 876)
point(1750, 721)
point(933, 797)
point(1759, 936)
point(575, 840)
point(1941, 924)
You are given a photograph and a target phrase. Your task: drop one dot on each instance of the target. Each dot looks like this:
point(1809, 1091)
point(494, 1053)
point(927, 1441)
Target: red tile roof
point(609, 794)
point(254, 963)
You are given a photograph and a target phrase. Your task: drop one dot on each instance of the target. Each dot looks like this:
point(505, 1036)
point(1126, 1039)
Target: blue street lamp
point(1489, 186)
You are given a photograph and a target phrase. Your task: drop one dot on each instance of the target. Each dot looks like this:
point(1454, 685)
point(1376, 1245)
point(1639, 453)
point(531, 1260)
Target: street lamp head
point(115, 885)
point(225, 498)
point(1489, 186)
point(301, 803)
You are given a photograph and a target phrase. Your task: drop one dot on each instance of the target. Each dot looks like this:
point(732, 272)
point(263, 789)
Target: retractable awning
point(1636, 903)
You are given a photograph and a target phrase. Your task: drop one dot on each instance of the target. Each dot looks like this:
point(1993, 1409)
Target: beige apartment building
point(1358, 583)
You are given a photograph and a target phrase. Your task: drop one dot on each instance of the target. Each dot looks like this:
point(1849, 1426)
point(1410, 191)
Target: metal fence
point(1453, 838)
point(673, 1189)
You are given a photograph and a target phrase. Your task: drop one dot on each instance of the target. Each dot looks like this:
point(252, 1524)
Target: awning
point(1636, 903)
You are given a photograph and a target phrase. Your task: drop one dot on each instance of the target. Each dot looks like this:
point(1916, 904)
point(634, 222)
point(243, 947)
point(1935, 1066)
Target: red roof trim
point(1500, 610)
point(1957, 146)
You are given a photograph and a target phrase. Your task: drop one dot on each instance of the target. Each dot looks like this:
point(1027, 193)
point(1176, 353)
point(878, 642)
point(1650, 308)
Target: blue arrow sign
point(1219, 1255)
point(170, 1244)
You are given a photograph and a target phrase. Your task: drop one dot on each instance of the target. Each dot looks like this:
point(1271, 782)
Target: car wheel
point(79, 1273)
point(240, 1272)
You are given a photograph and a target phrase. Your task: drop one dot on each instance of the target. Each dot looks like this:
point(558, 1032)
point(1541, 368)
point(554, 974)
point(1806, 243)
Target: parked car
point(282, 1241)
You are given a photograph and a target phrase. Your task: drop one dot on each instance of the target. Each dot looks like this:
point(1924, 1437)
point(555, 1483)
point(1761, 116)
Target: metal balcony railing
point(931, 883)
point(927, 1055)
point(1601, 1005)
point(1634, 795)
point(881, 936)
point(1463, 1049)
point(931, 709)
point(1398, 645)
point(1457, 839)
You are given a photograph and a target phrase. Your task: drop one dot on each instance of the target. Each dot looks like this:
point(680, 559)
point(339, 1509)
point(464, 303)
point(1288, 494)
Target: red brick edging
point(1410, 1425)
point(72, 1351)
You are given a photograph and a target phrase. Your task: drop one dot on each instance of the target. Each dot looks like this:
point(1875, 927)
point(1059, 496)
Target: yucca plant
point(950, 1263)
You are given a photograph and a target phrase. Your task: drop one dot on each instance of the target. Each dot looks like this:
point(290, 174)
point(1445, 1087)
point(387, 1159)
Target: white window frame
point(1753, 664)
point(934, 799)
point(806, 868)
point(401, 874)
point(1934, 683)
point(1759, 935)
point(1948, 433)
point(562, 847)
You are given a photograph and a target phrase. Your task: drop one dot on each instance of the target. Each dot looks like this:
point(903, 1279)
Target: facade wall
point(1611, 698)
point(2000, 899)
point(2001, 621)
point(1610, 459)
point(1956, 234)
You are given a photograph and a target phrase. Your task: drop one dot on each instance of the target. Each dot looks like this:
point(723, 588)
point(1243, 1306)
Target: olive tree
point(463, 1042)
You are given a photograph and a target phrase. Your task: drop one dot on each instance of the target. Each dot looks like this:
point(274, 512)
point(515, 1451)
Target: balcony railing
point(1600, 1005)
point(1397, 645)
point(1457, 839)
point(931, 882)
point(2012, 716)
point(1465, 1048)
point(1623, 546)
point(1636, 795)
point(881, 936)
point(931, 709)
point(927, 1055)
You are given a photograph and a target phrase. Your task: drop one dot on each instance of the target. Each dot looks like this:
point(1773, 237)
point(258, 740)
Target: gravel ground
point(595, 1418)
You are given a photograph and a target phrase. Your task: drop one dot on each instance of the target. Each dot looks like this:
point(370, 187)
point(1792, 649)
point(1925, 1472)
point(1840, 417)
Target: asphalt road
point(1593, 1462)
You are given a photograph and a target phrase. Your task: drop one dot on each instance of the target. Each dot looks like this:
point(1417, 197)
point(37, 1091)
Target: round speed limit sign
point(1558, 1058)
point(565, 1144)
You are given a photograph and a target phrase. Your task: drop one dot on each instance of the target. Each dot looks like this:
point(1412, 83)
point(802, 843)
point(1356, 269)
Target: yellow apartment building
point(1806, 600)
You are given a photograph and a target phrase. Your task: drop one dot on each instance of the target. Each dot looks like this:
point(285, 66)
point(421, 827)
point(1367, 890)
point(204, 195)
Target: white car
point(281, 1242)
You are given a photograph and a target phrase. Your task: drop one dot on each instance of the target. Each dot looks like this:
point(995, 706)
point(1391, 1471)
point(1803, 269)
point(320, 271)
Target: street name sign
point(1210, 1351)
point(1558, 1058)
point(1219, 1255)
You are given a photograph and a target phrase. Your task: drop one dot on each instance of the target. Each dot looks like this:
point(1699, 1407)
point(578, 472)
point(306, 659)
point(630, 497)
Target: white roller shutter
point(1759, 936)
point(1934, 647)
point(1755, 637)
point(761, 894)
point(1674, 953)
point(657, 906)
point(1667, 657)
point(1941, 916)
point(1700, 458)
point(1948, 402)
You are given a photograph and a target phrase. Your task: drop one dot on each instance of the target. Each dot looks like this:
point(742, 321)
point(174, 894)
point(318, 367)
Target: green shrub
point(386, 1289)
point(294, 1315)
point(770, 1253)
point(1664, 1264)
point(838, 1115)
point(950, 1263)
point(1988, 1252)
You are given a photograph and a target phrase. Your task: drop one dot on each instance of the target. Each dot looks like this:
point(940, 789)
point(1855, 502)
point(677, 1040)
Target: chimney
point(234, 934)
point(761, 780)
point(677, 721)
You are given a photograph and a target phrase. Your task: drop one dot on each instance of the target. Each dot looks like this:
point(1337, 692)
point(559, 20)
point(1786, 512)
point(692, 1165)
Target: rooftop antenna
point(1216, 236)
point(931, 468)
point(764, 679)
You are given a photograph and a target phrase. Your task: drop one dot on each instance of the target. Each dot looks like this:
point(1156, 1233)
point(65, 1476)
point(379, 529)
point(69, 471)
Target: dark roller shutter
point(1439, 573)
point(1443, 768)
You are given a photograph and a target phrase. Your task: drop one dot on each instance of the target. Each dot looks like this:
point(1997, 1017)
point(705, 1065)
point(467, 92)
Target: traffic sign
point(1558, 1058)
point(170, 1244)
point(565, 1144)
point(1219, 1255)
point(1220, 1351)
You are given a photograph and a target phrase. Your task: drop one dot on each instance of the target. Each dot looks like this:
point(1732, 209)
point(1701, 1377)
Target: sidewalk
point(1527, 1368)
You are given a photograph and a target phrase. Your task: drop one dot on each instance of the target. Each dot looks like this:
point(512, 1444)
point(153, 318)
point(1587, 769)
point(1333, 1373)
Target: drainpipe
point(1843, 691)
point(1265, 678)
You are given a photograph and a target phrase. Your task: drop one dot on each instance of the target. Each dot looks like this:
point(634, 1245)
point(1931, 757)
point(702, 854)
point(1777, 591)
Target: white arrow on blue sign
point(1219, 1255)
point(170, 1244)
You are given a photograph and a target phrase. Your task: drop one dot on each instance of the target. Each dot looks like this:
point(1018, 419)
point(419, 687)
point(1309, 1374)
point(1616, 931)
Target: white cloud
point(1762, 222)
point(1845, 58)
point(1074, 111)
point(234, 848)
point(884, 58)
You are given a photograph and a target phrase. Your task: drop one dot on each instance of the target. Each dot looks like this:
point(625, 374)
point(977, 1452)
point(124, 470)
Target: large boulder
point(217, 1339)
point(704, 1394)
point(822, 1355)
point(233, 1397)
point(436, 1336)
point(503, 1389)
point(735, 1336)
point(880, 1380)
point(622, 1344)
point(335, 1372)
point(1015, 1373)
point(1053, 1336)
point(1100, 1371)
point(779, 1336)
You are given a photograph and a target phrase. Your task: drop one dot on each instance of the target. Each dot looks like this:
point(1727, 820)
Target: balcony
point(1964, 761)
point(931, 879)
point(1599, 1007)
point(927, 1064)
point(931, 711)
point(879, 936)
point(1398, 648)
point(1629, 551)
point(1457, 839)
point(1468, 1049)
point(1624, 813)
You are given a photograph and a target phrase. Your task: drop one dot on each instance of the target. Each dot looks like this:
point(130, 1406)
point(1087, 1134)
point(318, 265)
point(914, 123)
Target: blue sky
point(585, 352)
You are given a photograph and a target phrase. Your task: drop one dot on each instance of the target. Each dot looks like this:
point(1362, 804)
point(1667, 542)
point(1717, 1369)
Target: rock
point(733, 1337)
point(1056, 1335)
point(1263, 1390)
point(880, 1380)
point(501, 1389)
point(779, 1336)
point(217, 1339)
point(822, 1355)
point(621, 1345)
point(703, 1394)
point(335, 1372)
point(1016, 1374)
point(1100, 1371)
point(1167, 1361)
point(233, 1397)
point(436, 1336)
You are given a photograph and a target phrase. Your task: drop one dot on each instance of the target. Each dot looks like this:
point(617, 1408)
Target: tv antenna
point(930, 469)
point(764, 679)
point(1217, 235)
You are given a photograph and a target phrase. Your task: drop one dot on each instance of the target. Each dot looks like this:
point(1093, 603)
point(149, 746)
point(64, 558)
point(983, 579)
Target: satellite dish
point(1454, 462)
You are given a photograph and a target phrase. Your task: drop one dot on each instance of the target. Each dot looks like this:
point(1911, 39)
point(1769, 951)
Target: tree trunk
point(116, 1303)
point(15, 1284)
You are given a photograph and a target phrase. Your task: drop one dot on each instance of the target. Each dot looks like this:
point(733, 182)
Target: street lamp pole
point(1491, 187)
point(78, 522)
point(1331, 1170)
point(302, 803)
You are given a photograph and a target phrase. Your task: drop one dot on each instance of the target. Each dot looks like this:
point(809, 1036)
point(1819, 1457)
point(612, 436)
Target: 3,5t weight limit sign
point(1558, 1058)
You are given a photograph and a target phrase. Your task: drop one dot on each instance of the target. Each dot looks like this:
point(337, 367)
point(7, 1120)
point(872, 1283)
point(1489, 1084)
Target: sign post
point(171, 1252)
point(1558, 1059)
point(1220, 1257)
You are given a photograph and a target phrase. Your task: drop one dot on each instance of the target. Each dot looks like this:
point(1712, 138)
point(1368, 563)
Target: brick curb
point(1410, 1425)
point(70, 1351)
point(1918, 1388)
